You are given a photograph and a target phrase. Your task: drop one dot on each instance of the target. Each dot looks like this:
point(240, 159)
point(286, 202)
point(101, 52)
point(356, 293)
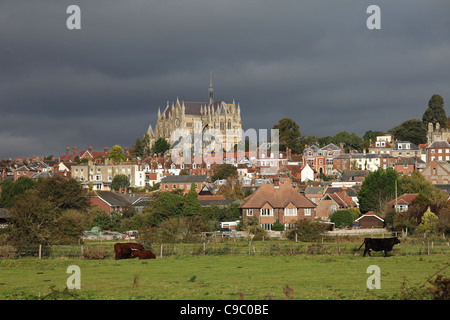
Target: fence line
point(336, 246)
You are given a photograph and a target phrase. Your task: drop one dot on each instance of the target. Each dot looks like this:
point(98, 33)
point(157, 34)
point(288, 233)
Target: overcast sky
point(314, 61)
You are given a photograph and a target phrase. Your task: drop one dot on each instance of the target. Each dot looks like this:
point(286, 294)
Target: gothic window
point(222, 125)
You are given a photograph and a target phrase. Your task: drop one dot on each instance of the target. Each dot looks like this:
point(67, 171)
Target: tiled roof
point(112, 198)
point(439, 144)
point(277, 198)
point(185, 178)
point(406, 198)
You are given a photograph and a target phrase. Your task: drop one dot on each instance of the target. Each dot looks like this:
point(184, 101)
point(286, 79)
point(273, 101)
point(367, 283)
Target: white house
point(307, 173)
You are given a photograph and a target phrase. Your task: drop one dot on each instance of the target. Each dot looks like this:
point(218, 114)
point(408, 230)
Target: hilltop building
point(198, 117)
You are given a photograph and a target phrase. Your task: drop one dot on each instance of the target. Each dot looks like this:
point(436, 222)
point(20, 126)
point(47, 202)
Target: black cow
point(123, 250)
point(385, 245)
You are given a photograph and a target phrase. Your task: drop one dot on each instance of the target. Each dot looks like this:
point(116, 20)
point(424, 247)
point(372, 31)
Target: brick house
point(24, 171)
point(84, 154)
point(437, 172)
point(183, 182)
point(406, 166)
point(321, 159)
point(277, 202)
point(438, 150)
point(109, 201)
point(403, 202)
point(326, 207)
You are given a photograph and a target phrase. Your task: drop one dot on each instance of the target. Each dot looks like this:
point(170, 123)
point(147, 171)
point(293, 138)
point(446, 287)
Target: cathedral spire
point(211, 90)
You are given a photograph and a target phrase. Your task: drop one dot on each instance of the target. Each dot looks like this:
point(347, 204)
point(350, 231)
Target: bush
point(7, 252)
point(307, 230)
point(94, 253)
point(342, 218)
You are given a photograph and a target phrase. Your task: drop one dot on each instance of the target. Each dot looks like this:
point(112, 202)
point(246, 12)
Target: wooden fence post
point(204, 248)
point(161, 251)
point(339, 245)
point(40, 251)
point(249, 248)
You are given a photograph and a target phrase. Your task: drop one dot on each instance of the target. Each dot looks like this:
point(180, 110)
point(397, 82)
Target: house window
point(174, 186)
point(307, 211)
point(267, 212)
point(166, 186)
point(249, 212)
point(290, 211)
point(266, 226)
point(181, 186)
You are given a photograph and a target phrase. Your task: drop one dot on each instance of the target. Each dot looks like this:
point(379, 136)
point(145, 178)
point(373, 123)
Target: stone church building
point(199, 116)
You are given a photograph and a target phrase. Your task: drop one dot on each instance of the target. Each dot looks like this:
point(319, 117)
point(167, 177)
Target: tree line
point(383, 186)
point(58, 211)
point(413, 130)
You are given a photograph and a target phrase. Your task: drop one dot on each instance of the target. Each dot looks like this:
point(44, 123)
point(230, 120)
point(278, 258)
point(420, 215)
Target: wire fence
point(326, 246)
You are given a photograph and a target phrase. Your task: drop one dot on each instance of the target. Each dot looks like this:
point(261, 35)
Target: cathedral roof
point(193, 108)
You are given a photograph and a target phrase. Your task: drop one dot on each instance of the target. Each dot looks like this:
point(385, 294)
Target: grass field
point(224, 277)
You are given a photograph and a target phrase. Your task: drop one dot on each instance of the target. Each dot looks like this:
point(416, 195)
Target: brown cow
point(123, 250)
point(143, 254)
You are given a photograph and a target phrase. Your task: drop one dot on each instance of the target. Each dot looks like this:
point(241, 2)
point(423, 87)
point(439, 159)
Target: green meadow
point(328, 276)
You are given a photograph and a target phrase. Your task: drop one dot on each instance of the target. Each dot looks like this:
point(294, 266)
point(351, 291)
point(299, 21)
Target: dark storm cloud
point(313, 61)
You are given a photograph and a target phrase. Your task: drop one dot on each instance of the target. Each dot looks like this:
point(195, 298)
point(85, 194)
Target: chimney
point(106, 149)
point(276, 183)
point(74, 150)
point(68, 151)
point(90, 149)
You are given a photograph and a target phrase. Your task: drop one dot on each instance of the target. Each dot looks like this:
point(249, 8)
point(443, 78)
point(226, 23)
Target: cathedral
point(198, 117)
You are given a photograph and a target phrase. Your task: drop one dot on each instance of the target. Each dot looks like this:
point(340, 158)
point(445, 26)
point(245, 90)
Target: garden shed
point(370, 220)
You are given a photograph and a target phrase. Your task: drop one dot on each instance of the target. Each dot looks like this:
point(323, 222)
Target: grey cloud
point(313, 61)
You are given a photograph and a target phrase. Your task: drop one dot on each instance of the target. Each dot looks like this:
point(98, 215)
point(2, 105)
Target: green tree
point(429, 222)
point(223, 171)
point(163, 206)
point(191, 206)
point(342, 218)
point(160, 146)
point(63, 193)
point(33, 220)
point(351, 141)
point(12, 190)
point(372, 135)
point(416, 183)
point(120, 181)
point(435, 113)
point(377, 190)
point(289, 135)
point(116, 153)
point(307, 230)
point(55, 211)
point(138, 150)
point(411, 130)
